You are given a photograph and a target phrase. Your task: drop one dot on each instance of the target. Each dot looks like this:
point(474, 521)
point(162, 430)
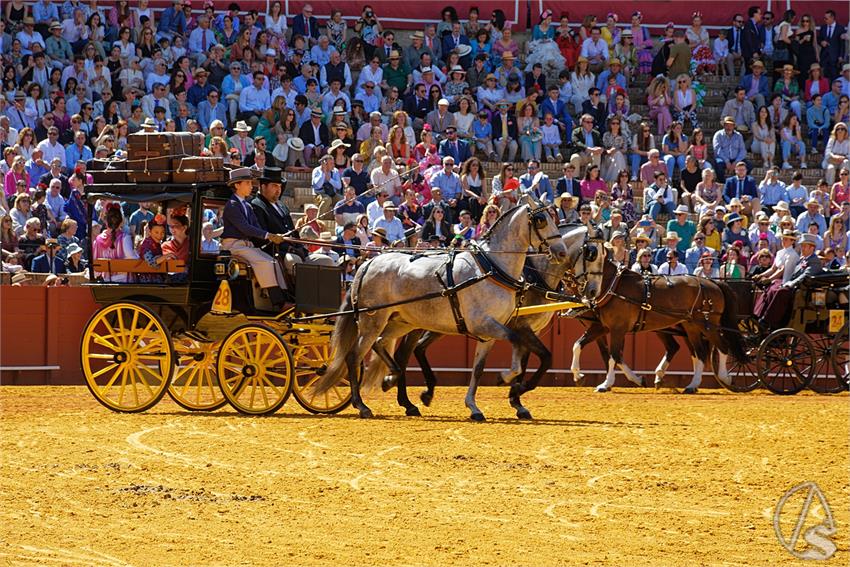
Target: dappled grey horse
point(583, 265)
point(470, 292)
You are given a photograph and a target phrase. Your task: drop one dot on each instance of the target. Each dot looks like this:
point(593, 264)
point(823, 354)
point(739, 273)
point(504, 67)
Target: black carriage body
point(183, 305)
point(180, 305)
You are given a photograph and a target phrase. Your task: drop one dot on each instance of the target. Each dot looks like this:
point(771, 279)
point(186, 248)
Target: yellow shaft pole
point(545, 308)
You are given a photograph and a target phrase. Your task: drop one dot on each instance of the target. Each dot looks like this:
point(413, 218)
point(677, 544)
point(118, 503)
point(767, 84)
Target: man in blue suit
point(755, 85)
point(48, 263)
point(558, 108)
point(742, 186)
point(305, 25)
point(832, 45)
point(242, 229)
point(454, 40)
point(451, 146)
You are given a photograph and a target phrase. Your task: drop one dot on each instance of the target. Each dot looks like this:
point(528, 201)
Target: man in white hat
point(440, 118)
point(672, 245)
point(773, 307)
point(686, 229)
point(389, 222)
point(241, 140)
point(241, 229)
point(812, 215)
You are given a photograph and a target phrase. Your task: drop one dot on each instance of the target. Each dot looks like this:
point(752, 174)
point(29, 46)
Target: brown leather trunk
point(158, 144)
point(198, 169)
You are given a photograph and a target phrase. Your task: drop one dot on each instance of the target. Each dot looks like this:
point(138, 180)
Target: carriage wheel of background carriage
point(839, 357)
point(743, 375)
point(310, 361)
point(126, 356)
point(194, 385)
point(255, 370)
point(786, 361)
point(825, 380)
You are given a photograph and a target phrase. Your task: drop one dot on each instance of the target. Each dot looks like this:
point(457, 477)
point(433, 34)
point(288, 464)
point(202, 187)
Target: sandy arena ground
point(628, 478)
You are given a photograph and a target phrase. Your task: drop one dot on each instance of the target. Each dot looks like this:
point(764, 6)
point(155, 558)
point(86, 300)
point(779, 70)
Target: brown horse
point(704, 311)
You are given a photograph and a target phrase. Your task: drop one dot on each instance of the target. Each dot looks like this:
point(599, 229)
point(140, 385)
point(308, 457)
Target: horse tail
point(342, 342)
point(731, 336)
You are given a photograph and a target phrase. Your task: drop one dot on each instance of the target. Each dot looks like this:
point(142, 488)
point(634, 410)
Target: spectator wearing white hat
point(241, 140)
point(440, 118)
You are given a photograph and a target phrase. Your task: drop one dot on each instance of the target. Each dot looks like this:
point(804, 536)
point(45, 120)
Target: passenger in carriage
point(178, 245)
point(151, 250)
point(772, 308)
point(241, 228)
point(114, 243)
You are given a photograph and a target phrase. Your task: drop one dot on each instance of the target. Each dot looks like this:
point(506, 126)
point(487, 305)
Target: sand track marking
point(70, 556)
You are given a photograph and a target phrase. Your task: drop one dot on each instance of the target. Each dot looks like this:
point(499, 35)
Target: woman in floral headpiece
point(643, 43)
point(698, 38)
point(151, 249)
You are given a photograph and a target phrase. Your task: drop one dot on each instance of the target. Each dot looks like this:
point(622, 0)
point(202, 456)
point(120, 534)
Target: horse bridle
point(588, 254)
point(535, 215)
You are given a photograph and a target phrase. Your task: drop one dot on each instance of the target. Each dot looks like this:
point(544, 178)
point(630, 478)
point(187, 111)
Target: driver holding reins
point(241, 227)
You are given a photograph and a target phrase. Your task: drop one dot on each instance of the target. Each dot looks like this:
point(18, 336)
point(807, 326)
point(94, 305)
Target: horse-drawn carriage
point(811, 351)
point(202, 332)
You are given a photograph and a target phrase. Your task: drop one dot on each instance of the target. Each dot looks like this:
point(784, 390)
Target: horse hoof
point(690, 391)
point(523, 413)
point(426, 398)
point(578, 379)
point(413, 411)
point(366, 413)
point(602, 389)
point(477, 416)
point(389, 382)
point(642, 382)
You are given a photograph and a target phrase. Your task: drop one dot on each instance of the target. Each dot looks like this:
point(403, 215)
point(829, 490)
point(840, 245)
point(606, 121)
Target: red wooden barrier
point(41, 327)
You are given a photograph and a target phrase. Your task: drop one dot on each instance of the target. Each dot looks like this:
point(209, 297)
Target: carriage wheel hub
point(789, 363)
point(121, 357)
point(249, 370)
point(199, 356)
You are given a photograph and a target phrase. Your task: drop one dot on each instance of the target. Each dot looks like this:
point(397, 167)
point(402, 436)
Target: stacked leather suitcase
point(153, 155)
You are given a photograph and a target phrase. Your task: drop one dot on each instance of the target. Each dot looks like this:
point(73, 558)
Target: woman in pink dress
point(114, 243)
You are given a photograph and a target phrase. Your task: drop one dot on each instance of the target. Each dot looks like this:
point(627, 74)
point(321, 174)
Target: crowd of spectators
point(397, 128)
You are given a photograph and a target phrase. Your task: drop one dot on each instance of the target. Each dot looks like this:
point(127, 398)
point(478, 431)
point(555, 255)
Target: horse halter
point(588, 253)
point(536, 221)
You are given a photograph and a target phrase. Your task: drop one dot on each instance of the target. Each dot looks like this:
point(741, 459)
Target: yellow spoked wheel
point(310, 362)
point(194, 385)
point(255, 370)
point(126, 357)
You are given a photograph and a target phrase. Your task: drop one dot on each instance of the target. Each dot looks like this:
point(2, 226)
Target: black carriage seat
point(827, 289)
point(833, 279)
